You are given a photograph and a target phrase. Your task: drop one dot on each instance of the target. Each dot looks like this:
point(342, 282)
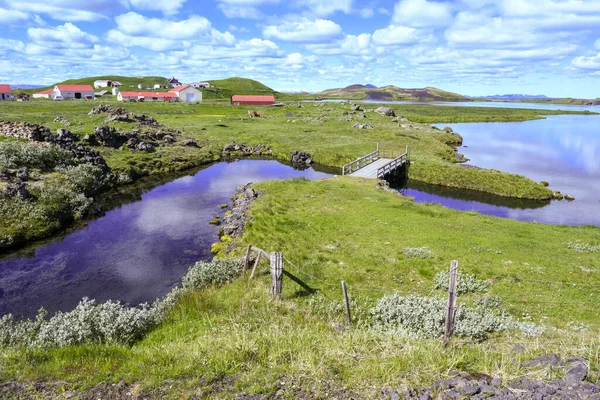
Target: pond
point(137, 251)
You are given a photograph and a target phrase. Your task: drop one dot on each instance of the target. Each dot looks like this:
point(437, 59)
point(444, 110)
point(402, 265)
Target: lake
point(563, 150)
point(136, 252)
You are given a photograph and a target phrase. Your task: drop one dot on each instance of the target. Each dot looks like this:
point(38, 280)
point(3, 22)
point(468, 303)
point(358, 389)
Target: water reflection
point(139, 249)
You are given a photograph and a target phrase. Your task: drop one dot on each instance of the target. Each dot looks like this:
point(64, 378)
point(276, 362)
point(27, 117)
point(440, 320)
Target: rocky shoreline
point(234, 221)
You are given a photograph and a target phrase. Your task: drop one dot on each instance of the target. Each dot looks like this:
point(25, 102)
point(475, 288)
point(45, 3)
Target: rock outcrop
point(235, 220)
point(234, 149)
point(301, 160)
point(386, 111)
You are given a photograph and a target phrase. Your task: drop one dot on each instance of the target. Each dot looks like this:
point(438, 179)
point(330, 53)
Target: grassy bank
point(325, 130)
point(219, 342)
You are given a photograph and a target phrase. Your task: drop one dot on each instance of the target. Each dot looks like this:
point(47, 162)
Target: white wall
point(183, 94)
point(71, 95)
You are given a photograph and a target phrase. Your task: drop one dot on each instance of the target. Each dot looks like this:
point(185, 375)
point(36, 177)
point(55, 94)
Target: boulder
point(191, 143)
point(168, 139)
point(386, 111)
point(143, 146)
point(362, 126)
point(16, 189)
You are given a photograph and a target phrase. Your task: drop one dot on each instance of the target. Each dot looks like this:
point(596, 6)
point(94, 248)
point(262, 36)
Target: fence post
point(276, 274)
point(450, 311)
point(259, 255)
point(247, 260)
point(345, 290)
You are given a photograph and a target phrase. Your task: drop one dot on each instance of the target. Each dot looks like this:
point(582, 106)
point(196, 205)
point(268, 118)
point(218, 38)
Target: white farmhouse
point(198, 85)
point(187, 94)
point(46, 94)
point(104, 83)
point(74, 91)
point(5, 92)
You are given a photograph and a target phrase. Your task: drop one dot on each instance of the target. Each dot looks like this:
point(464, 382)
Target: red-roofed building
point(74, 91)
point(187, 93)
point(46, 94)
point(184, 93)
point(5, 92)
point(253, 100)
point(146, 96)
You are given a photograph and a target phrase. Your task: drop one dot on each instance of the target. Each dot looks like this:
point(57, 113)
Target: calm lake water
point(136, 252)
point(563, 150)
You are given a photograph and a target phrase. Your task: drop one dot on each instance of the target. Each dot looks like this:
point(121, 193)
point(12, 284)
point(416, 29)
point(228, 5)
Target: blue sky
point(473, 47)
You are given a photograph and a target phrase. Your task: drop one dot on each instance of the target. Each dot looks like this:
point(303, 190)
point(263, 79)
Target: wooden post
point(256, 264)
point(345, 290)
point(450, 311)
point(248, 256)
point(276, 274)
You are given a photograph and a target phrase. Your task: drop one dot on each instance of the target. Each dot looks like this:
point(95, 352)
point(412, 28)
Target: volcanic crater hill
point(392, 93)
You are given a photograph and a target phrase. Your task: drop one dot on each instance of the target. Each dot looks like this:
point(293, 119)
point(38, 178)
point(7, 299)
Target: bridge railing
point(392, 165)
point(361, 162)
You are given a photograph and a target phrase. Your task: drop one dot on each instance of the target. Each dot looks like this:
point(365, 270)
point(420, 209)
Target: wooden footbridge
point(377, 164)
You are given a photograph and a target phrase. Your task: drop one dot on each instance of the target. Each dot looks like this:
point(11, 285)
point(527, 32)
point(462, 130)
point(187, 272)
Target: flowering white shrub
point(86, 178)
point(220, 270)
point(464, 283)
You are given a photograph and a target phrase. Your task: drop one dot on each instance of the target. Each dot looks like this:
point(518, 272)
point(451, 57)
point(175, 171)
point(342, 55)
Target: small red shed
point(253, 100)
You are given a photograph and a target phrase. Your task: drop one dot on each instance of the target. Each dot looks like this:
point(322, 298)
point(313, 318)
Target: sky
point(472, 47)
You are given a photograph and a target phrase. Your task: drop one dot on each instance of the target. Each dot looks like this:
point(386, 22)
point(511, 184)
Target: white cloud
point(150, 43)
point(587, 63)
point(168, 7)
point(597, 44)
point(245, 9)
point(9, 45)
point(305, 31)
point(422, 13)
point(352, 45)
point(10, 17)
point(399, 35)
point(323, 8)
point(139, 25)
point(242, 49)
point(60, 10)
point(366, 12)
point(67, 35)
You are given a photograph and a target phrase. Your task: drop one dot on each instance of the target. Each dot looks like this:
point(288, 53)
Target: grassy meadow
point(324, 130)
point(220, 342)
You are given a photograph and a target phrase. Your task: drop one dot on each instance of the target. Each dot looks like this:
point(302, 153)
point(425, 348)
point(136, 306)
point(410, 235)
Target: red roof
point(49, 91)
point(253, 99)
point(75, 88)
point(148, 94)
point(5, 89)
point(180, 88)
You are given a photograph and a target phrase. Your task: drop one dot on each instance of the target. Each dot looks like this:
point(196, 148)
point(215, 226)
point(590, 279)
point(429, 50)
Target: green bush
point(15, 154)
point(219, 271)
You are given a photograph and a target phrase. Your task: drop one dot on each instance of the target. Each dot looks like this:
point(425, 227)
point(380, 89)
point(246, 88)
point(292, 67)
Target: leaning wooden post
point(276, 274)
point(345, 290)
point(450, 311)
point(247, 260)
point(256, 264)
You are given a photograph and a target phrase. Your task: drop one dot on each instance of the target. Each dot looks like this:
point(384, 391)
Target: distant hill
point(225, 88)
point(514, 97)
point(392, 93)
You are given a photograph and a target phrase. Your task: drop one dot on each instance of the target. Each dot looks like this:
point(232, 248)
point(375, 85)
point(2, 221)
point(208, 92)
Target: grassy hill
point(225, 88)
point(392, 93)
point(129, 82)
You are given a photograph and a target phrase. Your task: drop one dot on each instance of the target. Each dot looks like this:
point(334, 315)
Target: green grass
point(223, 341)
point(320, 129)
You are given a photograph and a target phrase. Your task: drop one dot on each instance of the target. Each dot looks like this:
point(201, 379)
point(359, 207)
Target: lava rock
point(191, 143)
point(16, 189)
point(23, 174)
point(362, 126)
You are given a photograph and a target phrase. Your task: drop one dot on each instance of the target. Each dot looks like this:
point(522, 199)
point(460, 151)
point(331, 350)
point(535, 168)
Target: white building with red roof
point(73, 91)
point(184, 93)
point(45, 94)
point(5, 92)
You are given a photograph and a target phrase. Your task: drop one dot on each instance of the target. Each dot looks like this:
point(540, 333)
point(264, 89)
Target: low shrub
point(583, 247)
point(424, 317)
point(464, 283)
point(86, 178)
point(15, 154)
point(219, 271)
point(418, 252)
